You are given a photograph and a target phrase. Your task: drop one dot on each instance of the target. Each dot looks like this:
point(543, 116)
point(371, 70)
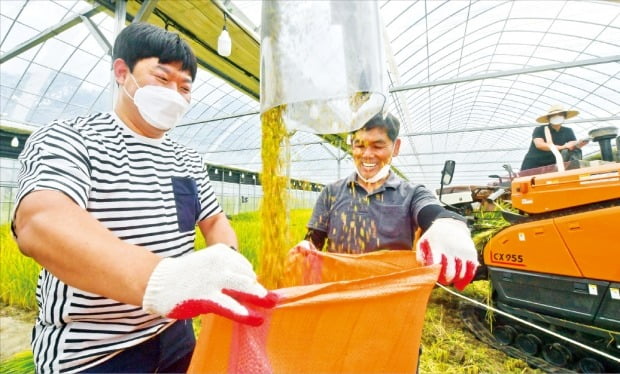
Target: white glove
point(304, 245)
point(216, 280)
point(448, 242)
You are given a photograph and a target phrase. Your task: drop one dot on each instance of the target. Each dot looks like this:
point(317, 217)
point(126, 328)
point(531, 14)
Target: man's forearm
point(430, 213)
point(217, 229)
point(317, 237)
point(80, 251)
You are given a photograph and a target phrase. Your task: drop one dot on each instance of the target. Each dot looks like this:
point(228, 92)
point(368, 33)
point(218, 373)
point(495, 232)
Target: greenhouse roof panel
point(469, 78)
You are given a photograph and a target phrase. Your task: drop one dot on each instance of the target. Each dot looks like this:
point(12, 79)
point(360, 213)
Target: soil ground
point(15, 330)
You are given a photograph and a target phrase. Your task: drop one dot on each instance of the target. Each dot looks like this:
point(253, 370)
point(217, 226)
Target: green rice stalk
point(18, 273)
point(19, 363)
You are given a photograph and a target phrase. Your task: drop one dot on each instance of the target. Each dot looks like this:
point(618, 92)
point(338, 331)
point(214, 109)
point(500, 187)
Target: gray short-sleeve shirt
point(358, 222)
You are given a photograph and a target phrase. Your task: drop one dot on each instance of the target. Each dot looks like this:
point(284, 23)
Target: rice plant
point(489, 223)
point(19, 363)
point(449, 347)
point(18, 273)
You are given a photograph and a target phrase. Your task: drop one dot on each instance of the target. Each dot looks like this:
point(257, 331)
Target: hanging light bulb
point(15, 142)
point(224, 44)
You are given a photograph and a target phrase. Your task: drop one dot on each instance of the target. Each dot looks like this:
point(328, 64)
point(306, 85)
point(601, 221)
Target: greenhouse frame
point(467, 80)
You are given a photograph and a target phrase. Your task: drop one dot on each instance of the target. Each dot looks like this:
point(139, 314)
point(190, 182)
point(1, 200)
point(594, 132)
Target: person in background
point(539, 154)
point(107, 204)
point(373, 209)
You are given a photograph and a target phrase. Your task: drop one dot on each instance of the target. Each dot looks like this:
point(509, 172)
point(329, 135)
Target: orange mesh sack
point(364, 315)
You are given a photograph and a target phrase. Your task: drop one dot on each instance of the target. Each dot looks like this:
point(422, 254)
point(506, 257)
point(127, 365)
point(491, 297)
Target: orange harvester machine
point(561, 264)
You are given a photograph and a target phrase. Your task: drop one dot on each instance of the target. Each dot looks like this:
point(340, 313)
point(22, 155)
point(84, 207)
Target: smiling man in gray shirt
point(373, 209)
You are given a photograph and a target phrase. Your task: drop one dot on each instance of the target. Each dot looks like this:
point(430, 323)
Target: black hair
point(142, 40)
point(386, 121)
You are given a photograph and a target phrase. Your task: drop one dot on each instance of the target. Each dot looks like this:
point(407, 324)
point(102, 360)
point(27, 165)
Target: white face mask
point(557, 119)
point(385, 170)
point(161, 107)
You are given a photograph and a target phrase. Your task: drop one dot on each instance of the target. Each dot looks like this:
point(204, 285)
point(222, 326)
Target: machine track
point(473, 317)
point(579, 361)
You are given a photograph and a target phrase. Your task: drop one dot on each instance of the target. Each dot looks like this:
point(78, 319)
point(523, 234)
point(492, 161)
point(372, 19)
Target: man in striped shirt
point(108, 205)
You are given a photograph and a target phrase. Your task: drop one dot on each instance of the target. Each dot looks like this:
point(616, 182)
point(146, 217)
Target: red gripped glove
point(448, 242)
point(216, 280)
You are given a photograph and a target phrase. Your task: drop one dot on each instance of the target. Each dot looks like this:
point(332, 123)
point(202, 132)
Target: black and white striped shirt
point(148, 192)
